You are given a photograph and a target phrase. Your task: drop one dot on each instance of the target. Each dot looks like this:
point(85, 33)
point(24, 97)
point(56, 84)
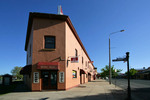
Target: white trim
point(61, 77)
point(36, 77)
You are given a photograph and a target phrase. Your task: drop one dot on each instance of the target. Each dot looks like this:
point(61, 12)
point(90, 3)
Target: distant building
point(7, 79)
point(95, 73)
point(1, 79)
point(56, 57)
point(14, 78)
point(143, 73)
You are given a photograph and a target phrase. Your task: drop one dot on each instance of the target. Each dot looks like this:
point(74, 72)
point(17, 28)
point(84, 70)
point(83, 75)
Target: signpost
point(126, 59)
point(115, 76)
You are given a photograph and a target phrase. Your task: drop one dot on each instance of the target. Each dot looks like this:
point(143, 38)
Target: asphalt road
point(140, 89)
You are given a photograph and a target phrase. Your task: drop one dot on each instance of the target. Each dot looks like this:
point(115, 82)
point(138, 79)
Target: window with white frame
point(36, 77)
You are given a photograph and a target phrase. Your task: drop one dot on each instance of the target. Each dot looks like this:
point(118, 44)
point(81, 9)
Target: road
point(140, 89)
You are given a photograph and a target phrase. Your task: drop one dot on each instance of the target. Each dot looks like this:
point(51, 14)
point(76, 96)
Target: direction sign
point(120, 59)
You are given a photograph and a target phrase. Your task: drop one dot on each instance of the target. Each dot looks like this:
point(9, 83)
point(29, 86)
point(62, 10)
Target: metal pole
point(115, 81)
point(129, 88)
point(115, 77)
point(110, 56)
point(109, 63)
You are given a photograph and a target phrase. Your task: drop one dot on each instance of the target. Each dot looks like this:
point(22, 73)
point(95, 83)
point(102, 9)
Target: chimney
point(59, 10)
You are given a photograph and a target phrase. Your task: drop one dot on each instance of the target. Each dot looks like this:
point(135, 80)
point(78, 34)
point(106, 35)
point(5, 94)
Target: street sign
point(120, 59)
point(126, 59)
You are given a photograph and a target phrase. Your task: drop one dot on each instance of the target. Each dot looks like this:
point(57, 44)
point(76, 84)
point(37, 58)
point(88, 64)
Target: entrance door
point(45, 80)
point(53, 80)
point(49, 80)
point(89, 77)
point(80, 78)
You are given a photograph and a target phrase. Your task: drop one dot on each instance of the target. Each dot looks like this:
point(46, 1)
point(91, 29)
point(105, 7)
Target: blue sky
point(93, 21)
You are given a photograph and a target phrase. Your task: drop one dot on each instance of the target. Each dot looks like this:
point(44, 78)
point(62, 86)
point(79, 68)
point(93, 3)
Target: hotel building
point(56, 57)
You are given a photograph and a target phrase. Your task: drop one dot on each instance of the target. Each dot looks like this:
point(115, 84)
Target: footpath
point(95, 90)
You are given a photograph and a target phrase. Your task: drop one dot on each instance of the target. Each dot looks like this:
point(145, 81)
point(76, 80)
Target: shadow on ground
point(14, 87)
point(141, 93)
point(113, 95)
point(96, 81)
point(46, 98)
point(137, 93)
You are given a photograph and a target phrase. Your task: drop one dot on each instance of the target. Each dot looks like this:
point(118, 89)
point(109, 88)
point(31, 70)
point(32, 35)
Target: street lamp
point(110, 55)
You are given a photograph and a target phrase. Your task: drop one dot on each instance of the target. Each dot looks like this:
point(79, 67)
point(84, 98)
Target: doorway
point(49, 80)
point(89, 77)
point(82, 76)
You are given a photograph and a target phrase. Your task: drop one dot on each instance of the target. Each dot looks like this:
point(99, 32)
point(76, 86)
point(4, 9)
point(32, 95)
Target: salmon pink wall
point(71, 45)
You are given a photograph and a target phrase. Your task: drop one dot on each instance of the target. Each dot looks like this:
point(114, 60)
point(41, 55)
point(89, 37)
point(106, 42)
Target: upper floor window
point(82, 60)
point(27, 58)
point(76, 52)
point(86, 63)
point(30, 51)
point(49, 42)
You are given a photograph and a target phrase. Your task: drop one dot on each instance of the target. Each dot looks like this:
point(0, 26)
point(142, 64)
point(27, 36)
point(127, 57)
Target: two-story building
point(56, 57)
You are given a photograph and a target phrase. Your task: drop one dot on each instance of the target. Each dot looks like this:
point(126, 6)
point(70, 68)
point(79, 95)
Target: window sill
point(48, 49)
point(74, 78)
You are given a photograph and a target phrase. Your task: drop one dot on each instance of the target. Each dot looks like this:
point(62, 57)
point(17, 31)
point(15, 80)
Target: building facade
point(56, 57)
point(143, 73)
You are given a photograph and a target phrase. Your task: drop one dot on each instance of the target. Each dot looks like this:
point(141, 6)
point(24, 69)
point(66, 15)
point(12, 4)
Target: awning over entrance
point(89, 74)
point(26, 69)
point(48, 66)
point(82, 71)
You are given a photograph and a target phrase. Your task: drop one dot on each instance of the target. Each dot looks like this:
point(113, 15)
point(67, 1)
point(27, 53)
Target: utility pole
point(109, 63)
point(110, 55)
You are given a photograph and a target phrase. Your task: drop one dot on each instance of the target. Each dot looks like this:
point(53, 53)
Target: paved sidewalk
point(95, 90)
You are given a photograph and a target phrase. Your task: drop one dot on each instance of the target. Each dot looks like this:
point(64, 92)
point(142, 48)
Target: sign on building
point(36, 77)
point(74, 59)
point(61, 77)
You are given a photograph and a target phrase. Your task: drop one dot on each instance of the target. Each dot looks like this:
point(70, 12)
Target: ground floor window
point(74, 74)
point(36, 77)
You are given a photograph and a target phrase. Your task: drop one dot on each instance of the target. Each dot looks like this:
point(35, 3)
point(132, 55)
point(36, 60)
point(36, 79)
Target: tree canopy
point(132, 72)
point(105, 71)
point(16, 72)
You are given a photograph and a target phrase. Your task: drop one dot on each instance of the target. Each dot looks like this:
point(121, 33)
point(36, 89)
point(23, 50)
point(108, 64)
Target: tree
point(105, 71)
point(132, 72)
point(16, 72)
point(0, 76)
